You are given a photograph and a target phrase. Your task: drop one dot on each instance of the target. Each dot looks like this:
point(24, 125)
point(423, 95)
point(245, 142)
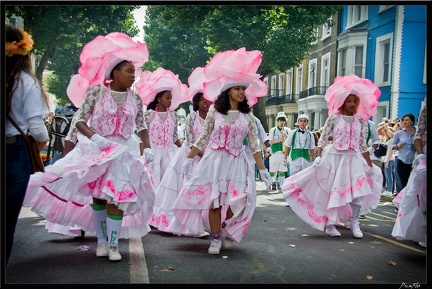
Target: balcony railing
point(279, 99)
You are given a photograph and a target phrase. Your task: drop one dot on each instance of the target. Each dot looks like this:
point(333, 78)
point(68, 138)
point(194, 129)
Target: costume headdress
point(150, 83)
point(364, 88)
point(281, 114)
point(234, 68)
point(302, 116)
point(99, 57)
point(196, 82)
point(22, 47)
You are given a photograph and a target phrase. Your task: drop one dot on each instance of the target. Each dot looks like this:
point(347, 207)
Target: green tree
point(283, 33)
point(60, 31)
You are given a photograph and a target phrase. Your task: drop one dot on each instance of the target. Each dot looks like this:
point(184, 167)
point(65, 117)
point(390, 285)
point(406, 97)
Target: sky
point(139, 18)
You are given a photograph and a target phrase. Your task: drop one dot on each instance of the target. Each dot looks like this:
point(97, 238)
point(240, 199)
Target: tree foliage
point(181, 38)
point(60, 32)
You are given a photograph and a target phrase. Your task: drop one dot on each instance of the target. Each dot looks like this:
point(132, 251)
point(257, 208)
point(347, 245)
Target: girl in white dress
point(223, 178)
point(344, 183)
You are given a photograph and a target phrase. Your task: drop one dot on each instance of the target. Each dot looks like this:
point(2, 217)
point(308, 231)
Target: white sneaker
point(114, 254)
point(331, 231)
point(227, 243)
point(355, 228)
point(204, 234)
point(423, 244)
point(215, 246)
point(102, 250)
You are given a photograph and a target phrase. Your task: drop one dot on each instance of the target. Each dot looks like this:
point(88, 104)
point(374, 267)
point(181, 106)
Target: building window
point(358, 60)
point(312, 73)
point(281, 84)
point(326, 30)
point(343, 62)
point(289, 82)
point(357, 14)
point(299, 79)
point(273, 86)
point(316, 32)
point(325, 70)
point(383, 59)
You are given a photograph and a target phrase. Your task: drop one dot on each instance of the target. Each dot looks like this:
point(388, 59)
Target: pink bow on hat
point(364, 88)
point(234, 68)
point(150, 83)
point(99, 57)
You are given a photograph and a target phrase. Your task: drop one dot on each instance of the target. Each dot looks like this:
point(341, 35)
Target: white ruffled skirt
point(64, 193)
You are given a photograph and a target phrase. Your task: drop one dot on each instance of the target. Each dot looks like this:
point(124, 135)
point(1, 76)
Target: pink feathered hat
point(364, 88)
point(234, 68)
point(196, 82)
point(99, 57)
point(150, 83)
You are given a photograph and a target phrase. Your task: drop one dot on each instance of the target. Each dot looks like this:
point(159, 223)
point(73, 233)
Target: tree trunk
point(43, 63)
point(259, 112)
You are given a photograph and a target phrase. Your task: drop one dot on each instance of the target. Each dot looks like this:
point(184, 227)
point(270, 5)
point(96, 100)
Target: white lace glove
point(265, 176)
point(100, 141)
point(370, 172)
point(269, 150)
point(187, 168)
point(420, 157)
point(370, 150)
point(317, 161)
point(148, 155)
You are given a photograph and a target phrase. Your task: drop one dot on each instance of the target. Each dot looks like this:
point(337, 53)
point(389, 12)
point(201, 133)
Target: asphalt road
point(277, 249)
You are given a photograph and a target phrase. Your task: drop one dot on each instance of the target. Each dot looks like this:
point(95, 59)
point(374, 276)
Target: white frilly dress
point(223, 177)
point(321, 194)
point(64, 193)
point(162, 128)
point(172, 181)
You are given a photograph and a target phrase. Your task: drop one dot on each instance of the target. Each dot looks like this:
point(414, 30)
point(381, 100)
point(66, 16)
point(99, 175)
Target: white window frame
point(325, 69)
point(326, 29)
point(273, 88)
point(379, 56)
point(383, 8)
point(312, 73)
point(357, 14)
point(316, 34)
point(348, 42)
point(289, 81)
point(299, 78)
point(281, 84)
point(361, 65)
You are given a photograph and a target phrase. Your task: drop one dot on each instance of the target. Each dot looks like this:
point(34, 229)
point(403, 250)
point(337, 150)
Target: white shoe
point(331, 231)
point(204, 234)
point(227, 243)
point(114, 254)
point(215, 246)
point(102, 250)
point(423, 244)
point(355, 228)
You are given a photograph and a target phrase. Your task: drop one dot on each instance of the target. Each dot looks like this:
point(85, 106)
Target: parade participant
point(403, 142)
point(277, 137)
point(222, 180)
point(411, 221)
point(26, 104)
point(103, 184)
point(162, 92)
point(300, 146)
point(342, 182)
point(172, 181)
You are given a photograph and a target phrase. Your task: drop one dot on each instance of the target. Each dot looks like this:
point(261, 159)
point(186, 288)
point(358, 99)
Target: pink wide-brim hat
point(196, 82)
point(234, 68)
point(100, 56)
point(150, 83)
point(365, 89)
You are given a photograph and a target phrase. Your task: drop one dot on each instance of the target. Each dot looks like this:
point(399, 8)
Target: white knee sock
point(113, 230)
point(100, 219)
point(355, 212)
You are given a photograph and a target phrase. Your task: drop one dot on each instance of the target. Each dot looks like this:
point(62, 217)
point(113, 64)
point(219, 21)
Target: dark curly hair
point(222, 103)
point(195, 99)
point(152, 105)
